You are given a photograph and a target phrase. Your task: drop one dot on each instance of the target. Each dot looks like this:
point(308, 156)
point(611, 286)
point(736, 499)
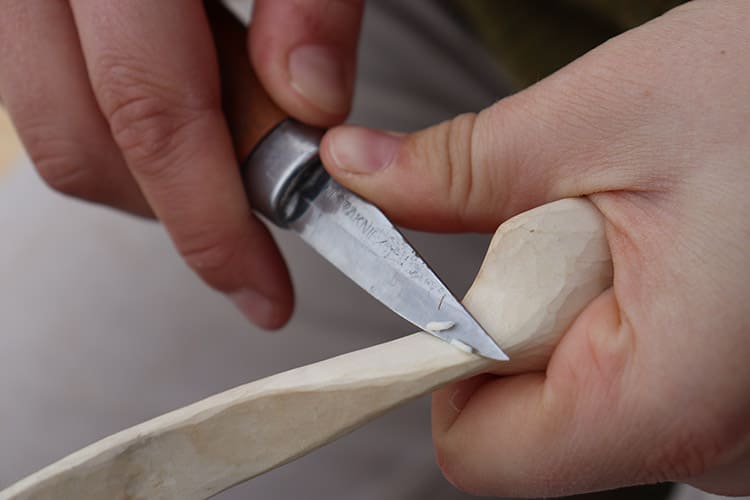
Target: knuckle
point(680, 459)
point(209, 256)
point(458, 148)
point(147, 117)
point(336, 18)
point(691, 448)
point(61, 164)
point(609, 351)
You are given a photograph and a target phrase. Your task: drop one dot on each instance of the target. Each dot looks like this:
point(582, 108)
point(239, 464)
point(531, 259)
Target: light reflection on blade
point(357, 238)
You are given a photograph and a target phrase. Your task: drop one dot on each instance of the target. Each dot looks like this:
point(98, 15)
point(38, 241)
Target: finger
point(154, 73)
point(46, 90)
point(304, 53)
point(576, 428)
point(553, 140)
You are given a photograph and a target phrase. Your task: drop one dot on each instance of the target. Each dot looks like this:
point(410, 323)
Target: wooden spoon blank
point(542, 268)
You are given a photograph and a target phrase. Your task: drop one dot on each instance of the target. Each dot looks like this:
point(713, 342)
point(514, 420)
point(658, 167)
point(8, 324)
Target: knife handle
point(277, 154)
point(250, 112)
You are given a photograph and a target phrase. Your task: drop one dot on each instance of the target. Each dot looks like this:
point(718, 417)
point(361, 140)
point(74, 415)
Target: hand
point(652, 382)
point(118, 103)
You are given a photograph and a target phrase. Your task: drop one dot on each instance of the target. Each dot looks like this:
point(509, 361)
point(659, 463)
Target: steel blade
point(357, 238)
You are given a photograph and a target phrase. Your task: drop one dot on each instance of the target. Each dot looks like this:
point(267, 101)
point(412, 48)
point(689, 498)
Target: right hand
point(118, 103)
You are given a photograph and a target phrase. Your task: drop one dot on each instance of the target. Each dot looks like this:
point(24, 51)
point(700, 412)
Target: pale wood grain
point(541, 270)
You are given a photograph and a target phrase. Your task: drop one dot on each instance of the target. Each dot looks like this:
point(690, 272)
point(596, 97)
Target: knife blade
point(360, 241)
point(286, 182)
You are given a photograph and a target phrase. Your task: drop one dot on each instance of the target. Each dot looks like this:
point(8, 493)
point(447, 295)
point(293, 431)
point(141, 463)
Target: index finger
point(571, 430)
point(155, 76)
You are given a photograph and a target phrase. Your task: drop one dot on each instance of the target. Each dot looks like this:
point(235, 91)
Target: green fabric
point(533, 38)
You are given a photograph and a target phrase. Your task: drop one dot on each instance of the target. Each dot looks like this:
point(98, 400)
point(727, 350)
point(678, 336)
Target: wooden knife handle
point(251, 113)
point(276, 153)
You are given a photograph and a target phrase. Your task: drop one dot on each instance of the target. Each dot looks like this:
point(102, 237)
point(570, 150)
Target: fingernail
point(317, 73)
point(363, 151)
point(256, 307)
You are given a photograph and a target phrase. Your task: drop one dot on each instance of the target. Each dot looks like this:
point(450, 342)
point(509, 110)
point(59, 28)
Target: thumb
point(468, 173)
point(555, 139)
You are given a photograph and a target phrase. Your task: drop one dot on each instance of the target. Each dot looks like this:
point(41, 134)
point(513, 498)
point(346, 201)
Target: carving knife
point(287, 183)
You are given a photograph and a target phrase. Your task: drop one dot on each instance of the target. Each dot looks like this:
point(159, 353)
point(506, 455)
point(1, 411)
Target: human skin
point(651, 383)
point(118, 103)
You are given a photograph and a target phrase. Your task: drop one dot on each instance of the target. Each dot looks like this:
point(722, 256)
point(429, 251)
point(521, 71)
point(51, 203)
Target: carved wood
point(542, 268)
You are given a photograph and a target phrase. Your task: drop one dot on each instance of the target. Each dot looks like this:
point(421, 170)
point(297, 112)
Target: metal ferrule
point(284, 164)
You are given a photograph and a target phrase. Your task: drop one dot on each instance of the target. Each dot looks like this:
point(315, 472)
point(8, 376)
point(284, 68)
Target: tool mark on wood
point(439, 326)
